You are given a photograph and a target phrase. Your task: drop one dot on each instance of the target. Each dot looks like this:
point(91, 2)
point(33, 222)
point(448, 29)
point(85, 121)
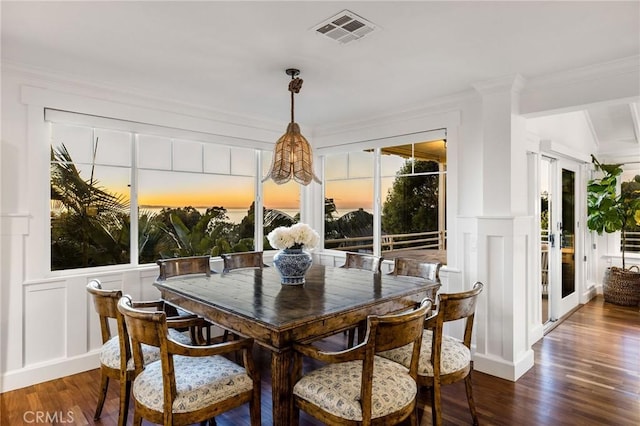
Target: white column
point(495, 239)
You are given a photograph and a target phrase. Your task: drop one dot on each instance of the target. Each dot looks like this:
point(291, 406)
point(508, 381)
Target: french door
point(558, 256)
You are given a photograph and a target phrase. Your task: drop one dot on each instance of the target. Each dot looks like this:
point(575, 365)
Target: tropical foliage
point(412, 203)
point(91, 225)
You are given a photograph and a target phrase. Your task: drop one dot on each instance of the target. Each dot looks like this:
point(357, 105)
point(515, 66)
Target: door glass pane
point(545, 212)
point(568, 232)
point(630, 188)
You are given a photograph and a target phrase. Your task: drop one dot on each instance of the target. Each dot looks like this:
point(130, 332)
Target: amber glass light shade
point(292, 158)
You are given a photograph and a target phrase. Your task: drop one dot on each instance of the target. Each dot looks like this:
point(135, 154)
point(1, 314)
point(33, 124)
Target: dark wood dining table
point(253, 303)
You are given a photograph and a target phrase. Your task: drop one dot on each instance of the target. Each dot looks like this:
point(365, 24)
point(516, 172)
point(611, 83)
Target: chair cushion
point(200, 382)
point(335, 388)
point(455, 355)
point(110, 352)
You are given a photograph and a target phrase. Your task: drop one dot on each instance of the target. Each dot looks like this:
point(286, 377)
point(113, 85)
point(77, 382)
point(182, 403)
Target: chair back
point(387, 332)
point(247, 259)
point(452, 307)
point(184, 266)
point(106, 305)
point(364, 261)
point(147, 327)
point(144, 326)
point(417, 268)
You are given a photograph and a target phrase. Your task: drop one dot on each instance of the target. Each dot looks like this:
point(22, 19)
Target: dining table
point(254, 303)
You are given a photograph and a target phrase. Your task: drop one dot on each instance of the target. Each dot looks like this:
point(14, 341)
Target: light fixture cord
point(292, 120)
point(294, 87)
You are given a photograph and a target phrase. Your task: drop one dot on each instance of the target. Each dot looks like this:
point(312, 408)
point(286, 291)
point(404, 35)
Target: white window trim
point(38, 101)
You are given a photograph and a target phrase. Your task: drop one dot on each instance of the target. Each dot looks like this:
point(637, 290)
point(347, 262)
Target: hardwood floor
point(587, 372)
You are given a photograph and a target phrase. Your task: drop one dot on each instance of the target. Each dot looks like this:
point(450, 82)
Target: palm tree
point(92, 225)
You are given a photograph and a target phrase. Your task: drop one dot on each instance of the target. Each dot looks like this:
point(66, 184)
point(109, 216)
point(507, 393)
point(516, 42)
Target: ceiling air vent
point(345, 27)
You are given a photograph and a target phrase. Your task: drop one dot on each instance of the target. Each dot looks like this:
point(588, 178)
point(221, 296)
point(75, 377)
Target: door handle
point(552, 240)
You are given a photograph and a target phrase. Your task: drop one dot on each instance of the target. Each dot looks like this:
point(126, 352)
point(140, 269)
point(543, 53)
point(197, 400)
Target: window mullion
point(377, 203)
point(133, 202)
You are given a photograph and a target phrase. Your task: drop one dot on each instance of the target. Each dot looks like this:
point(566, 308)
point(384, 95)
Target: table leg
point(281, 387)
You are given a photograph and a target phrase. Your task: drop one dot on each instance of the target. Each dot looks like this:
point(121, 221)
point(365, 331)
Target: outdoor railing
point(633, 242)
point(434, 240)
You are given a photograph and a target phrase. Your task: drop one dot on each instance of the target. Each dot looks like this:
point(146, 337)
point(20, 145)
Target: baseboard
point(49, 370)
point(536, 333)
point(502, 368)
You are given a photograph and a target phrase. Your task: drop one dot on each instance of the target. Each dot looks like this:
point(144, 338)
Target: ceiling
point(230, 57)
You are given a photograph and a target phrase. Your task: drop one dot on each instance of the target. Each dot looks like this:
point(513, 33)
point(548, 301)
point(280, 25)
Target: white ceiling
point(231, 56)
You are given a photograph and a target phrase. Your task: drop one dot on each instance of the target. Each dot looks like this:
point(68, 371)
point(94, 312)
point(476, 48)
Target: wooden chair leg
point(104, 386)
point(137, 418)
point(436, 408)
point(472, 404)
point(254, 408)
point(413, 418)
point(351, 337)
point(125, 393)
point(362, 330)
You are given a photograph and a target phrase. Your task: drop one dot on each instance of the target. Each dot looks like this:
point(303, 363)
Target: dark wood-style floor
point(587, 372)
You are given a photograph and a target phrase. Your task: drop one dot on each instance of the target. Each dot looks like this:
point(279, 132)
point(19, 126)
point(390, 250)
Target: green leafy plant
point(608, 211)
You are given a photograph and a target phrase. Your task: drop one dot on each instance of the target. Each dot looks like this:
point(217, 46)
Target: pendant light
point(292, 157)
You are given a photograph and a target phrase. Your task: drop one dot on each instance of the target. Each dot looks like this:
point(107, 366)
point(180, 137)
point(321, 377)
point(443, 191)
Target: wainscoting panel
point(45, 321)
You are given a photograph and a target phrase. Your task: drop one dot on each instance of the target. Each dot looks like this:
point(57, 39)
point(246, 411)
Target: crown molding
point(609, 69)
point(442, 105)
point(108, 91)
point(512, 83)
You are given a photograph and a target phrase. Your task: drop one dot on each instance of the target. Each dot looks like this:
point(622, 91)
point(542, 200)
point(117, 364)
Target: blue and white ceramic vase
point(292, 264)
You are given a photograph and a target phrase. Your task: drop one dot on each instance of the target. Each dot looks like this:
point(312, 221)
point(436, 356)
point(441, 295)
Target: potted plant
point(608, 211)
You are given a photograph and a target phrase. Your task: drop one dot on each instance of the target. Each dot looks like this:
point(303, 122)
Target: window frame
point(50, 115)
point(377, 146)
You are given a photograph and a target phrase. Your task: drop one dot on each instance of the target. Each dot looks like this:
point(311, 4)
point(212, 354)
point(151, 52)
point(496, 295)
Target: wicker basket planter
point(622, 286)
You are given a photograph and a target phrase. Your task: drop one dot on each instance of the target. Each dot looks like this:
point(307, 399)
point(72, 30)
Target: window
point(90, 170)
point(349, 201)
point(193, 197)
point(413, 210)
point(412, 198)
point(188, 197)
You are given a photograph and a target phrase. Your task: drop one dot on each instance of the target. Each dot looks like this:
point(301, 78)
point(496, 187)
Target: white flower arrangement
point(296, 236)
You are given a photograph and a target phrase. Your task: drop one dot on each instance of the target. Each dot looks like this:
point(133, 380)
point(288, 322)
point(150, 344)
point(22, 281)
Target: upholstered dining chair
point(188, 265)
point(367, 262)
point(357, 387)
point(416, 268)
point(444, 359)
point(115, 353)
point(188, 384)
point(247, 259)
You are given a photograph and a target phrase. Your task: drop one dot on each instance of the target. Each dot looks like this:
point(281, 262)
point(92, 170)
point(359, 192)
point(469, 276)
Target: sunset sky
point(189, 173)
